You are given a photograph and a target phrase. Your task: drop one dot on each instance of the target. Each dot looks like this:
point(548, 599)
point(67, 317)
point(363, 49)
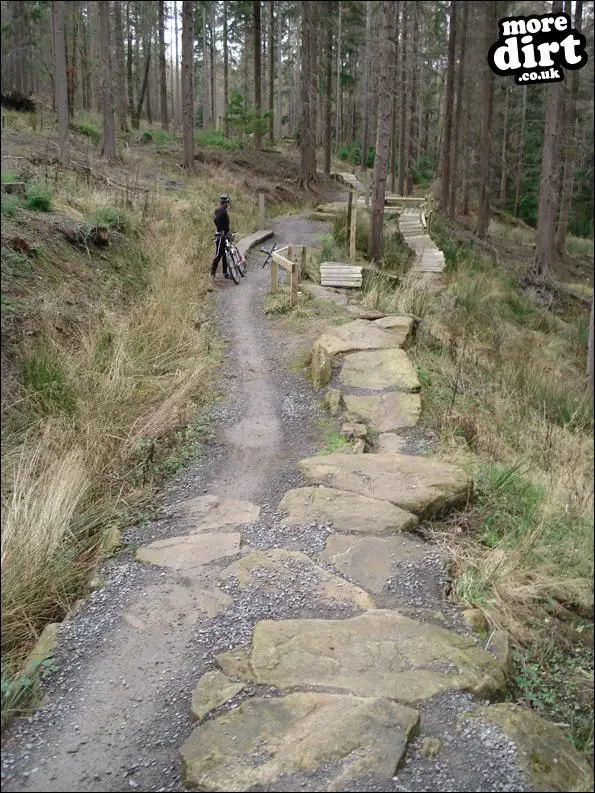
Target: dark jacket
point(222, 219)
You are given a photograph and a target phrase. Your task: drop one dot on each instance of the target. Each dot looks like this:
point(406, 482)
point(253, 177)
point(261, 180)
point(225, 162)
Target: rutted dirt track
point(118, 709)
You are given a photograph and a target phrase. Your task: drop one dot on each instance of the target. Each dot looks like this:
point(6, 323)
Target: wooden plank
point(353, 267)
point(339, 277)
point(341, 284)
point(282, 261)
point(405, 200)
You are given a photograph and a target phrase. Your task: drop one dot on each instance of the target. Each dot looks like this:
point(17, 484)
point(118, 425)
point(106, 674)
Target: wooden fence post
point(261, 210)
point(273, 275)
point(349, 212)
point(353, 225)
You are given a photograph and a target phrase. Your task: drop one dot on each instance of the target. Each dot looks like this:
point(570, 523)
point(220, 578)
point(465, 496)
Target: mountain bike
point(236, 264)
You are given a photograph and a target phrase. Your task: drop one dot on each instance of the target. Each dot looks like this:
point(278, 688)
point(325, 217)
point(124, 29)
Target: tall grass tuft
point(103, 414)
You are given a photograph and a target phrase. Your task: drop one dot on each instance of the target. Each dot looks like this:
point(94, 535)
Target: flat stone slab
point(386, 411)
point(543, 752)
point(422, 485)
point(380, 369)
point(401, 322)
point(359, 335)
point(390, 442)
point(380, 653)
point(213, 689)
point(211, 513)
point(190, 550)
point(333, 208)
point(251, 240)
point(363, 312)
point(325, 586)
point(266, 738)
point(369, 561)
point(324, 293)
point(347, 511)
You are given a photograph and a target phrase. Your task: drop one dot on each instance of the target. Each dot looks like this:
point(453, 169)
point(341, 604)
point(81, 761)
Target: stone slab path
point(285, 628)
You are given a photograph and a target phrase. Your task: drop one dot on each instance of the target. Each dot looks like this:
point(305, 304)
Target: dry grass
point(504, 387)
point(99, 410)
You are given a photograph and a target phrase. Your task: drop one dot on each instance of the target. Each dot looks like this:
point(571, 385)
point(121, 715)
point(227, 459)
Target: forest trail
point(326, 654)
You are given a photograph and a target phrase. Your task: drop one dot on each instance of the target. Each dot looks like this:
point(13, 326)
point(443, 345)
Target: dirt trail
point(349, 617)
point(117, 709)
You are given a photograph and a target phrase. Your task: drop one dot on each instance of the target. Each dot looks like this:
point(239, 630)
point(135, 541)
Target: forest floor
point(120, 685)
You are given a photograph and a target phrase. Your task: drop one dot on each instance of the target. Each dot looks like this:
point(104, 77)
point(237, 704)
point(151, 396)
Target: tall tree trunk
point(339, 91)
point(212, 74)
point(365, 142)
point(60, 74)
point(272, 71)
point(178, 69)
point(548, 182)
point(448, 109)
point(143, 91)
point(519, 168)
point(570, 148)
point(504, 152)
point(386, 62)
point(109, 125)
point(137, 40)
point(257, 75)
point(328, 90)
point(403, 100)
point(590, 352)
point(188, 89)
point(85, 67)
point(162, 70)
point(71, 63)
point(120, 67)
point(413, 131)
point(129, 60)
point(147, 49)
point(452, 205)
point(204, 75)
point(483, 214)
point(18, 27)
point(225, 72)
point(307, 125)
point(393, 123)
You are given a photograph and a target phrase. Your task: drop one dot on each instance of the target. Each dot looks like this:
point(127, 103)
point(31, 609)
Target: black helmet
point(224, 199)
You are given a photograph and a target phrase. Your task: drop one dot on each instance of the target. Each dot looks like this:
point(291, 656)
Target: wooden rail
point(292, 265)
point(425, 204)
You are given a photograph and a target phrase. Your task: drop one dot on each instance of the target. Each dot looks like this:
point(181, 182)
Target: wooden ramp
point(341, 275)
point(428, 257)
point(411, 214)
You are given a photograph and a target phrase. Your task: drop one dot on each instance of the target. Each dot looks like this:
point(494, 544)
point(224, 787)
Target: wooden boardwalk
point(410, 217)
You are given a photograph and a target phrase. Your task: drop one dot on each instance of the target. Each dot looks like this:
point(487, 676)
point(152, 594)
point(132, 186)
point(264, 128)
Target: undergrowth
point(504, 387)
point(105, 398)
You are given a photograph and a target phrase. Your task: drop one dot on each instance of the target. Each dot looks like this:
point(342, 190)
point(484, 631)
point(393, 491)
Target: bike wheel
point(241, 263)
point(233, 268)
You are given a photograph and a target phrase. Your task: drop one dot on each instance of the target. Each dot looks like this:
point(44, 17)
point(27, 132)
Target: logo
point(537, 49)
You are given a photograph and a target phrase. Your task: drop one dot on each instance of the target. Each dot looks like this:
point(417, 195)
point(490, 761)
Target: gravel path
point(117, 709)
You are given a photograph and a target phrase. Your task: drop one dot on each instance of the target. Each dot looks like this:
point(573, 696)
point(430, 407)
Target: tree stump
point(101, 235)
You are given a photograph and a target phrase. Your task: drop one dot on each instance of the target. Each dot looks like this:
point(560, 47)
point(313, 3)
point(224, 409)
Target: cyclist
point(221, 219)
